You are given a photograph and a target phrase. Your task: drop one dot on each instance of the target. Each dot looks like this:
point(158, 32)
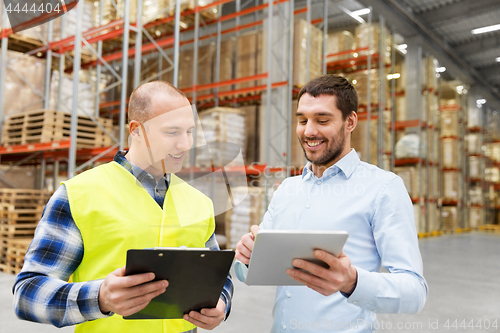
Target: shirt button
point(318, 182)
point(308, 206)
point(284, 327)
point(355, 302)
point(288, 295)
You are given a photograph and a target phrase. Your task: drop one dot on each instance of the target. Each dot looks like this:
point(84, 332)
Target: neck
point(319, 169)
point(137, 160)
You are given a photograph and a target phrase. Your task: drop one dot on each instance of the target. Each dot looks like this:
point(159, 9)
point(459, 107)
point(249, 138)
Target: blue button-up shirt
point(373, 206)
point(41, 293)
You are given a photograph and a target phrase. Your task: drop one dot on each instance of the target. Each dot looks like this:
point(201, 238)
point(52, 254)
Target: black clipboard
point(196, 278)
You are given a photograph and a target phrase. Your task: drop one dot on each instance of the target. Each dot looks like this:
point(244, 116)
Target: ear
point(351, 122)
point(134, 129)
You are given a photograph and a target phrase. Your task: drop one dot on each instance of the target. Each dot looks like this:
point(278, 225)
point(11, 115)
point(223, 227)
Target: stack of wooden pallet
point(20, 211)
point(49, 125)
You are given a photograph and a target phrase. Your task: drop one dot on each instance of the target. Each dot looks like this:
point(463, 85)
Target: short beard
point(332, 153)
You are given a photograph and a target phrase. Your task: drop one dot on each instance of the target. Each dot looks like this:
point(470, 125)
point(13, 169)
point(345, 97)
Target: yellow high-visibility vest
point(115, 213)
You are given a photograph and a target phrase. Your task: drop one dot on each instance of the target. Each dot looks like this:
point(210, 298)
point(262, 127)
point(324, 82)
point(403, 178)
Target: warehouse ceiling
point(447, 26)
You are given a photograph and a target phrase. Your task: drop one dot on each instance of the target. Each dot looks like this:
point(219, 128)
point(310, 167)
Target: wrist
point(353, 280)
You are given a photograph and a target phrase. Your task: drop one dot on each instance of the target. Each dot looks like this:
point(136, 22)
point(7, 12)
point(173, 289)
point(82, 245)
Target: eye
point(172, 133)
point(302, 122)
point(322, 121)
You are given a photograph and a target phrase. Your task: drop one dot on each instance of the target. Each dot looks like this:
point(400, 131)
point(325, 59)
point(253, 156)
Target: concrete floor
point(463, 273)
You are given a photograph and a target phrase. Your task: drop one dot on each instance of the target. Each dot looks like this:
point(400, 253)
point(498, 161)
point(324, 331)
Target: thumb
point(119, 271)
point(254, 229)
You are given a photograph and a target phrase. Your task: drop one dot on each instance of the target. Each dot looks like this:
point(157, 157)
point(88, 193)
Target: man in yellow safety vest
point(91, 221)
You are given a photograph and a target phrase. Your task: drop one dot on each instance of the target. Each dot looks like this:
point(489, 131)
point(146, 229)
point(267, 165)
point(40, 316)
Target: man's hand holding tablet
point(339, 274)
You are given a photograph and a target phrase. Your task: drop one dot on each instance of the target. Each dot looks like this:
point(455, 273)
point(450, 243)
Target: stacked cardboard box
point(338, 42)
point(473, 143)
point(475, 167)
point(300, 48)
point(359, 137)
point(244, 215)
point(451, 186)
point(360, 81)
point(249, 62)
point(206, 56)
point(227, 49)
point(410, 179)
point(368, 35)
point(420, 221)
point(449, 218)
point(221, 125)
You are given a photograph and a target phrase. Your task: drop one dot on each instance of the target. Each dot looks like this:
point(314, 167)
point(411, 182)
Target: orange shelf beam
point(34, 147)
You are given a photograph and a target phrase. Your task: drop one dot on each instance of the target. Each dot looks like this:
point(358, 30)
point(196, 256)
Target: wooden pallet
point(13, 260)
point(49, 125)
point(23, 196)
point(490, 228)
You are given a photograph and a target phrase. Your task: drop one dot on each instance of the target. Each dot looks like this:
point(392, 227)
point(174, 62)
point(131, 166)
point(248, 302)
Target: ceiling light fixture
point(498, 59)
point(351, 14)
point(402, 48)
point(440, 69)
point(486, 29)
point(360, 12)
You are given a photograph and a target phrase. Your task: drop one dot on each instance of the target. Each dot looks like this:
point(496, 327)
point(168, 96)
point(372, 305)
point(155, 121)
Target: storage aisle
point(462, 272)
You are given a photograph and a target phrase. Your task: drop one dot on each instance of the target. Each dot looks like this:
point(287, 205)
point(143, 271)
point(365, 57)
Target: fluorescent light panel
point(498, 59)
point(360, 12)
point(486, 29)
point(440, 69)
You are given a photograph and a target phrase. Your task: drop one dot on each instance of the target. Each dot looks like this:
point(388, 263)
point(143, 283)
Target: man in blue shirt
point(337, 191)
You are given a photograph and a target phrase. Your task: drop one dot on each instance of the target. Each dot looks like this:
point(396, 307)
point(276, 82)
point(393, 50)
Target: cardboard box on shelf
point(249, 62)
point(451, 184)
point(409, 176)
point(300, 47)
point(475, 217)
point(449, 218)
point(338, 42)
point(221, 124)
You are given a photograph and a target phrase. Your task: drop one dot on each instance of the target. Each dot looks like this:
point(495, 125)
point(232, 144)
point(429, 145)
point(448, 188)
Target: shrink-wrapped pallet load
point(449, 153)
point(420, 221)
point(475, 217)
point(19, 93)
point(473, 143)
point(476, 195)
point(451, 184)
point(300, 48)
point(475, 167)
point(449, 124)
point(221, 124)
point(85, 97)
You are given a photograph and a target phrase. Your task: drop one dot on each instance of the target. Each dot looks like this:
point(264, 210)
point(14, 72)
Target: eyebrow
point(316, 114)
point(176, 128)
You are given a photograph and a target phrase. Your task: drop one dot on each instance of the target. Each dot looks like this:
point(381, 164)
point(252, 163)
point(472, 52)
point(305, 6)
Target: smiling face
point(163, 142)
point(323, 133)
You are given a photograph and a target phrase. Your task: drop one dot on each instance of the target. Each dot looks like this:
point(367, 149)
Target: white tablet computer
point(274, 250)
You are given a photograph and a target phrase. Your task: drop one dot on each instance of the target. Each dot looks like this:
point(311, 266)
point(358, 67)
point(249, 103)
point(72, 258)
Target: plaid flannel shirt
point(41, 291)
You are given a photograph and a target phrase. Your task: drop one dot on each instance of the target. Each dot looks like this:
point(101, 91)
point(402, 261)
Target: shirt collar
point(140, 174)
point(347, 164)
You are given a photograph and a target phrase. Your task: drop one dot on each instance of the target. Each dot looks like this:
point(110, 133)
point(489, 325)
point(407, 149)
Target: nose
point(184, 143)
point(310, 129)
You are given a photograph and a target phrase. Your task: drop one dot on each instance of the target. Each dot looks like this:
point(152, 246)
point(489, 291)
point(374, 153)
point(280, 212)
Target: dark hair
point(333, 85)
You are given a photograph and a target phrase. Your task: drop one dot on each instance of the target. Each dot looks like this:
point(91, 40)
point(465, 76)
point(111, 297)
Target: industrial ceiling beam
point(454, 12)
point(486, 42)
